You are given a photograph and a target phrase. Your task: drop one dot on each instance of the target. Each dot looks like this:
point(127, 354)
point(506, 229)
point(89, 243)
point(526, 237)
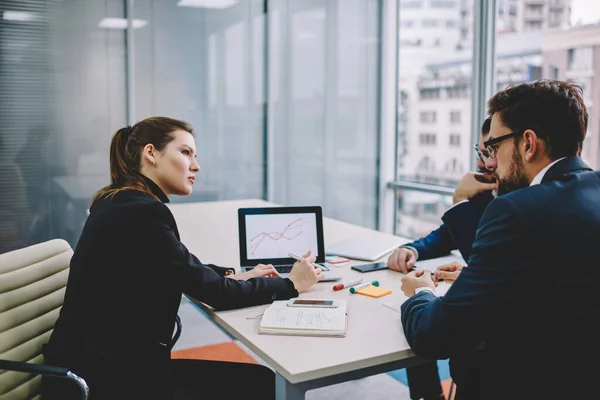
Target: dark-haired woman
point(128, 273)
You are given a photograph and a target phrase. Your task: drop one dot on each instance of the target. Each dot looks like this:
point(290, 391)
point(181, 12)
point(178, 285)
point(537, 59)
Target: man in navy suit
point(528, 297)
point(471, 196)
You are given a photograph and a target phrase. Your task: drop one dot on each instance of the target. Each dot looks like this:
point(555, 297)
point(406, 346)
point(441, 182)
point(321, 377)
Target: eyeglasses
point(492, 144)
point(480, 154)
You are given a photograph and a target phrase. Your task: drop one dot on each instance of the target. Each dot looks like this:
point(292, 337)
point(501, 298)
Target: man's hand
point(402, 260)
point(471, 184)
point(448, 272)
point(416, 279)
point(261, 270)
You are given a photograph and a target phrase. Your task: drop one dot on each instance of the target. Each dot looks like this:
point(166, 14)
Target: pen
point(362, 285)
point(299, 258)
point(343, 285)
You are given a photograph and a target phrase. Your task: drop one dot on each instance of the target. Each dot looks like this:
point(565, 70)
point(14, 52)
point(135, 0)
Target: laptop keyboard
point(283, 269)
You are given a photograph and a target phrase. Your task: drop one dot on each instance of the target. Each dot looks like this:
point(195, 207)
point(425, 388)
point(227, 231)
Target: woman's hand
point(304, 275)
point(260, 271)
point(448, 272)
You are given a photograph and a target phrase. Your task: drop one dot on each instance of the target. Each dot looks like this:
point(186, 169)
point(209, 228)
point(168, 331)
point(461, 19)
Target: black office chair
point(32, 288)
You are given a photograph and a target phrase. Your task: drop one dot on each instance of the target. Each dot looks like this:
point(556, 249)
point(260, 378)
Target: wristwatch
point(425, 289)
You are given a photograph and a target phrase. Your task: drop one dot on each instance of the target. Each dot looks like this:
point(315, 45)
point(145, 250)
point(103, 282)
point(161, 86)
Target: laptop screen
point(269, 234)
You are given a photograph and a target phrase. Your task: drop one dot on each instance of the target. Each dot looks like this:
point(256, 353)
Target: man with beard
point(473, 193)
point(527, 298)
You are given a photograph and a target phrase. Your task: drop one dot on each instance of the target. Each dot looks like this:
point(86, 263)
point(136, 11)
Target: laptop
point(368, 248)
point(267, 235)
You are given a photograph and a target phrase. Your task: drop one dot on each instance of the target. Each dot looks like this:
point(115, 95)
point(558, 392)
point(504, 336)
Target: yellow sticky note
point(374, 291)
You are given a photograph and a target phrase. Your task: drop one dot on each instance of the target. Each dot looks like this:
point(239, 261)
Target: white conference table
point(374, 342)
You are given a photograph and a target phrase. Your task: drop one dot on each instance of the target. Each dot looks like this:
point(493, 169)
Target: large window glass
point(434, 107)
point(323, 86)
point(554, 39)
point(203, 62)
point(62, 92)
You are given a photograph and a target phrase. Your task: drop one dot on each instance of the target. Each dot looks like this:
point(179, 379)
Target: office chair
point(32, 288)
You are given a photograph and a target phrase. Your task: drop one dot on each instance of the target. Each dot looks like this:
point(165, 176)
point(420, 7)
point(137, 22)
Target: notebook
point(367, 248)
point(279, 319)
point(267, 235)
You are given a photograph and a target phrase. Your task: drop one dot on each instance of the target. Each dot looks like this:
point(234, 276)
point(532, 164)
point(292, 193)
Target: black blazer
point(126, 279)
point(529, 294)
point(457, 231)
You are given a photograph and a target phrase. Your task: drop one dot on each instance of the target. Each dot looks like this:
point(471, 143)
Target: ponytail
point(126, 149)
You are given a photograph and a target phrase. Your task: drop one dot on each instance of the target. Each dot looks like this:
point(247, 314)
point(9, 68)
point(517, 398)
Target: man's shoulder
point(550, 195)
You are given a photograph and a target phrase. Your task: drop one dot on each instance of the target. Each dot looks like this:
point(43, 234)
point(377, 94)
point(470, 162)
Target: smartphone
point(370, 267)
point(336, 260)
point(313, 303)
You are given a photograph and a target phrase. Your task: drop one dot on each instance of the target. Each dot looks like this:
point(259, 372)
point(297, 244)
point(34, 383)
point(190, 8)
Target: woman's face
point(176, 166)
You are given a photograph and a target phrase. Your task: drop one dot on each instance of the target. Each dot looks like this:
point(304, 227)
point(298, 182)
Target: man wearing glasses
point(474, 192)
point(528, 298)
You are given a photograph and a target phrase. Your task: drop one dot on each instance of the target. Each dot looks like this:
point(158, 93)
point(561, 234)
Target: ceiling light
point(121, 23)
point(18, 16)
point(219, 4)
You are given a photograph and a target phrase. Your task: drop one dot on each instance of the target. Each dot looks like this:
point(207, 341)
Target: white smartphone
point(313, 303)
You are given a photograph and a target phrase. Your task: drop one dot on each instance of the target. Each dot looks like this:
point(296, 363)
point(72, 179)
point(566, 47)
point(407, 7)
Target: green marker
point(362, 285)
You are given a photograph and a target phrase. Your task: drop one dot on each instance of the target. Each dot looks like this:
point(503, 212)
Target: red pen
point(343, 285)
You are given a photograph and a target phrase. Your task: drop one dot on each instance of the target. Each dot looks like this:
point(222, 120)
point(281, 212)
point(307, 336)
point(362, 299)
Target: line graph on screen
point(275, 236)
point(290, 232)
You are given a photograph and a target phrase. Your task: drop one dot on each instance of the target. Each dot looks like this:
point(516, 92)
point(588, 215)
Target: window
point(457, 92)
point(533, 25)
point(454, 139)
point(436, 76)
point(325, 91)
point(410, 3)
point(428, 117)
point(500, 7)
point(410, 42)
point(407, 23)
point(454, 168)
point(443, 4)
point(62, 96)
point(427, 139)
point(581, 58)
point(430, 208)
point(572, 58)
point(554, 72)
point(429, 94)
point(455, 117)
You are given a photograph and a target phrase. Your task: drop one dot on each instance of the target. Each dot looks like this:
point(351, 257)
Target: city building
point(574, 55)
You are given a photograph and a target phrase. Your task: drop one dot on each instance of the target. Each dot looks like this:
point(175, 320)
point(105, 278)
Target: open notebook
point(279, 319)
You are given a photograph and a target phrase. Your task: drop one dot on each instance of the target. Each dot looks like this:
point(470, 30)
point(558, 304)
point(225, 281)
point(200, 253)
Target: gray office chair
point(32, 288)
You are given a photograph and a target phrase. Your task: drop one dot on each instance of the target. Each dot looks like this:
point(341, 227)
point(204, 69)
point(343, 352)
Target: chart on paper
point(277, 235)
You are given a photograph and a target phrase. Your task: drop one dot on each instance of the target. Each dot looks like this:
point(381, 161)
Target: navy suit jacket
point(529, 294)
point(458, 230)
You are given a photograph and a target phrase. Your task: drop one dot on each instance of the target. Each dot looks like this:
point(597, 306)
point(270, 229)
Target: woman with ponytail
point(128, 273)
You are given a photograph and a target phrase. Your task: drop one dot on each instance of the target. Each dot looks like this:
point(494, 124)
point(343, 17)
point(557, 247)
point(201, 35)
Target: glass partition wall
point(283, 98)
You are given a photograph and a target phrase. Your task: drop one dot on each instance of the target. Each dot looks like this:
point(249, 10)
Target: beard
point(516, 178)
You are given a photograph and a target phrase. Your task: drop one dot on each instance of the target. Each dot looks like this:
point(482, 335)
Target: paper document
point(304, 321)
point(433, 263)
point(394, 305)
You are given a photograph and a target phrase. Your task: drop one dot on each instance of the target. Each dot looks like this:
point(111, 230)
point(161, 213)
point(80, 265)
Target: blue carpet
point(443, 371)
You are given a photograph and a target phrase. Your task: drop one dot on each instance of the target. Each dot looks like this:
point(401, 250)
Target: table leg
point(285, 390)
